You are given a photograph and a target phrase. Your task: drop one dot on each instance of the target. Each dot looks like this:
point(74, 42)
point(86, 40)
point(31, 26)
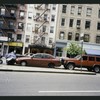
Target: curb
point(11, 70)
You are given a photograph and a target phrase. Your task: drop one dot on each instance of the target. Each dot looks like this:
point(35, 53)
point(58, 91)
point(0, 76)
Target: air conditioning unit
point(78, 27)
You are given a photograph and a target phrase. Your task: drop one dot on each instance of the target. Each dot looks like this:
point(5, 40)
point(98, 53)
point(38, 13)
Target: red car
point(39, 60)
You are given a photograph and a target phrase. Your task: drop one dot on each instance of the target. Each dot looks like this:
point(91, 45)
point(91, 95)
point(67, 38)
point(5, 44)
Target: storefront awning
point(92, 52)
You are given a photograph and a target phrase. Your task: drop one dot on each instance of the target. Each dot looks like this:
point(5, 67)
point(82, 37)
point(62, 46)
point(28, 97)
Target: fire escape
point(8, 19)
point(41, 19)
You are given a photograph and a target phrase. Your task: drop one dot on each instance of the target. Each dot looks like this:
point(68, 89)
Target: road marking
point(90, 91)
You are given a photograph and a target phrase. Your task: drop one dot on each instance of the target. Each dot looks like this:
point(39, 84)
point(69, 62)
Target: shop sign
point(15, 44)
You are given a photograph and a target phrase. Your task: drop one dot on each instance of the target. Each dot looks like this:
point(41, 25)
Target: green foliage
point(74, 49)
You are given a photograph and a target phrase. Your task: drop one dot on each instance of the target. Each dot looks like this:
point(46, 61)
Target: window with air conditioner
point(29, 26)
point(54, 7)
point(20, 25)
point(12, 12)
point(51, 29)
point(30, 15)
point(50, 41)
point(22, 14)
point(86, 37)
point(72, 10)
point(27, 38)
point(79, 11)
point(61, 35)
point(52, 18)
point(89, 12)
point(2, 11)
point(77, 37)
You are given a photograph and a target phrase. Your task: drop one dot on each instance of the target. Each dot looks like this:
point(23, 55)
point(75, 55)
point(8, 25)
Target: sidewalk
point(4, 67)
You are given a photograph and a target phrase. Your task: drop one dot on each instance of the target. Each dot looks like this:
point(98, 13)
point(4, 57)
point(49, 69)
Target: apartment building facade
point(76, 19)
point(12, 23)
point(40, 28)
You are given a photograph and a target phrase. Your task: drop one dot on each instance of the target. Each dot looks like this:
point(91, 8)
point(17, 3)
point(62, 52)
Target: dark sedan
point(39, 60)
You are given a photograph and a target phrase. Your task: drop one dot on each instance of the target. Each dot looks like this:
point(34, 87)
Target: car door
point(84, 60)
point(36, 60)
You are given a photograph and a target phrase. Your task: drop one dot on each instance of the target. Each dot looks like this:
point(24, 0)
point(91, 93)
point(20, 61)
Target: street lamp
point(81, 40)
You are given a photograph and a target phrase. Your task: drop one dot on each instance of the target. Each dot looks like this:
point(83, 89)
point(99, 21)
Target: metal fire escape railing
point(42, 23)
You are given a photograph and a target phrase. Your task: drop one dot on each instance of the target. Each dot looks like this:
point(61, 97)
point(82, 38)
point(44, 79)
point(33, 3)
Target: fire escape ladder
point(39, 6)
point(41, 14)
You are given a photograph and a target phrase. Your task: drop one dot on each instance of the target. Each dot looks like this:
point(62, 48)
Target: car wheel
point(23, 63)
point(70, 66)
point(1, 61)
point(97, 69)
point(50, 65)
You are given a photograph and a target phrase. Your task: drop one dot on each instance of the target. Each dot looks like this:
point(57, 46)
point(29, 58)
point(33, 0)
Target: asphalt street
point(48, 84)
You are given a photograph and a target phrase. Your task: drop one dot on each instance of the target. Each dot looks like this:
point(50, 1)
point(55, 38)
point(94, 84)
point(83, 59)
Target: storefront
point(18, 46)
point(40, 49)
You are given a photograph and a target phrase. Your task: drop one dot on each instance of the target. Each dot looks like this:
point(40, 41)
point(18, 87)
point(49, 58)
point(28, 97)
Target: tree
point(74, 49)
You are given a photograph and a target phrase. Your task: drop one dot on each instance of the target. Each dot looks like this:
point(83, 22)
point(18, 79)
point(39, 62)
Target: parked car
point(19, 55)
point(39, 60)
point(91, 62)
point(28, 54)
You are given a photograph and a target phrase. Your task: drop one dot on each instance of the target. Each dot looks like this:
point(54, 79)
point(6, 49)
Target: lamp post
point(81, 40)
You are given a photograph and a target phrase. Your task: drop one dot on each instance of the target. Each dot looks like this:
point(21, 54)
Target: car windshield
point(78, 57)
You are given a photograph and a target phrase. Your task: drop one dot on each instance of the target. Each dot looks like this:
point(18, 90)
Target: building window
point(30, 15)
point(97, 39)
point(2, 11)
point(30, 5)
point(87, 24)
point(50, 41)
point(63, 22)
point(71, 23)
point(54, 7)
point(28, 27)
point(99, 13)
point(44, 28)
point(79, 10)
point(52, 18)
point(12, 12)
point(98, 26)
point(70, 36)
point(45, 17)
point(11, 24)
point(64, 8)
point(78, 22)
point(43, 40)
point(86, 38)
point(19, 37)
point(9, 36)
point(89, 12)
point(36, 28)
point(51, 29)
point(27, 38)
point(20, 25)
point(72, 10)
point(1, 23)
point(62, 35)
point(77, 37)
point(22, 14)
